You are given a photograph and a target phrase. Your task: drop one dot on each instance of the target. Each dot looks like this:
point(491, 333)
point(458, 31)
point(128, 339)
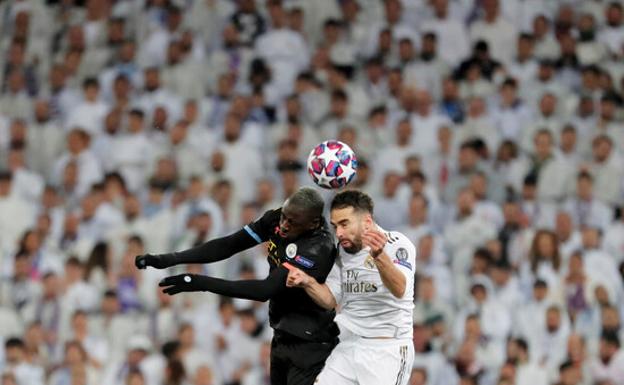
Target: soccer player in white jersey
point(372, 285)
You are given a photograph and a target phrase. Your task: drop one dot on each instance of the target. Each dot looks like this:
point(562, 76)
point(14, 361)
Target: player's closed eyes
point(343, 223)
point(285, 219)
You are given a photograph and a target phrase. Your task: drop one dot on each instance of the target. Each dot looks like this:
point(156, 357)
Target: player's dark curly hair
point(359, 200)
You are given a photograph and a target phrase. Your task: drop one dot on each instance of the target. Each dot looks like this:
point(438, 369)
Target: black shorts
point(297, 362)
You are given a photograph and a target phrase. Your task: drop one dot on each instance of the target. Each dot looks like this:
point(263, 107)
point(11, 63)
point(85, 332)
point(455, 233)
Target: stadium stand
point(491, 132)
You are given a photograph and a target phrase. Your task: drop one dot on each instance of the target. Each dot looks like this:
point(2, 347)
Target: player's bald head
point(307, 200)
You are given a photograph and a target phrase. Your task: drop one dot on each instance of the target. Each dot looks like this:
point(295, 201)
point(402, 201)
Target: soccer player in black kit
point(296, 235)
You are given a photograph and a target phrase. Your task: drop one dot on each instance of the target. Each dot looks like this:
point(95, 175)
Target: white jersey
point(367, 307)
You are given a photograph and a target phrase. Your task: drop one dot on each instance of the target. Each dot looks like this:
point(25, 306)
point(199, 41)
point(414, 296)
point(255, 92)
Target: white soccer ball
point(332, 164)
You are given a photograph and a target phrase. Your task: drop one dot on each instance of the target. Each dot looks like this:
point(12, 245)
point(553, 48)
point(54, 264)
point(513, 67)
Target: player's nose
point(284, 226)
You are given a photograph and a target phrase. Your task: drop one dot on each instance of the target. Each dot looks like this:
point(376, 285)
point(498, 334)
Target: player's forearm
point(212, 251)
point(391, 276)
point(254, 289)
point(321, 294)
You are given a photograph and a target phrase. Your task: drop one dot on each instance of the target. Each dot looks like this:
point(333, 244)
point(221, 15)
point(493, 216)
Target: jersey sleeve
point(315, 256)
point(334, 283)
point(262, 228)
point(402, 252)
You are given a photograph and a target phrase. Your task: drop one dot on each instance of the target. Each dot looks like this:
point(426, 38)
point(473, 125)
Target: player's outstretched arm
point(391, 276)
point(319, 293)
point(254, 289)
point(212, 251)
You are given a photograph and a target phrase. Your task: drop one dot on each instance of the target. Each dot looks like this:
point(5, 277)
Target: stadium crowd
point(491, 132)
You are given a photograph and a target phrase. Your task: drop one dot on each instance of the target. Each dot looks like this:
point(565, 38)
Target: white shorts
point(365, 361)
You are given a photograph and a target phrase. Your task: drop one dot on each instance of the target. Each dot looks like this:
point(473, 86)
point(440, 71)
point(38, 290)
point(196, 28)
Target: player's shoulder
point(398, 239)
point(272, 214)
point(269, 218)
point(400, 249)
point(315, 251)
point(263, 228)
point(399, 246)
point(320, 241)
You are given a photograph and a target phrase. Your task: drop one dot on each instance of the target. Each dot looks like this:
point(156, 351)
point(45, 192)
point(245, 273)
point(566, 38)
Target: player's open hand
point(375, 240)
point(180, 283)
point(297, 278)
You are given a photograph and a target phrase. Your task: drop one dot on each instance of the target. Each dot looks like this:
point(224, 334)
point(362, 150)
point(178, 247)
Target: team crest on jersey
point(369, 262)
point(291, 250)
point(401, 258)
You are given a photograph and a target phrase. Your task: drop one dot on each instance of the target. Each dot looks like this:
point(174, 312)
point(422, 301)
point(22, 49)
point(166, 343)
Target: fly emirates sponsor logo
point(352, 284)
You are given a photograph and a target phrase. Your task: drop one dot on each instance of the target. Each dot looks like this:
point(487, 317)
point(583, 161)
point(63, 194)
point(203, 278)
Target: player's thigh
point(299, 363)
point(307, 376)
point(279, 369)
point(339, 368)
point(330, 376)
point(390, 365)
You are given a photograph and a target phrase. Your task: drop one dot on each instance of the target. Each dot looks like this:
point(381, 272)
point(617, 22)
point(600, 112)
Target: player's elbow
point(266, 293)
point(398, 290)
point(329, 302)
point(329, 305)
point(398, 293)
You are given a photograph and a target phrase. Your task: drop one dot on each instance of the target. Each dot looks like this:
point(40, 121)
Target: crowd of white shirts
point(490, 132)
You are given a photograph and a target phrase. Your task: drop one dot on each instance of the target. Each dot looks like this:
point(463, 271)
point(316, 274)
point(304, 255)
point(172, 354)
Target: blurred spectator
point(496, 30)
point(584, 208)
point(75, 363)
point(91, 111)
point(609, 365)
point(15, 363)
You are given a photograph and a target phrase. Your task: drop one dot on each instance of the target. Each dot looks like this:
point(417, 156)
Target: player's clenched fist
point(375, 240)
point(297, 278)
point(159, 261)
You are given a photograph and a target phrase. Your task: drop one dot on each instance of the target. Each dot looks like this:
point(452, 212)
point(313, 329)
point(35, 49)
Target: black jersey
point(292, 311)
